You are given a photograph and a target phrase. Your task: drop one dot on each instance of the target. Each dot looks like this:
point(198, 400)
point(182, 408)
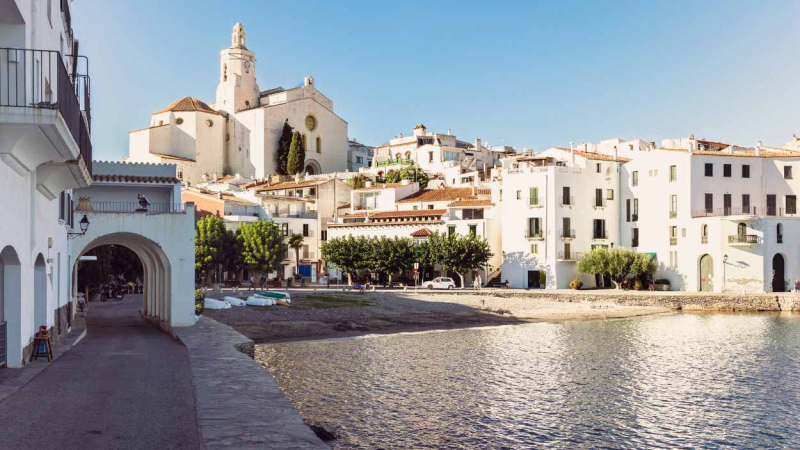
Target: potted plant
point(84, 204)
point(662, 285)
point(637, 284)
point(576, 284)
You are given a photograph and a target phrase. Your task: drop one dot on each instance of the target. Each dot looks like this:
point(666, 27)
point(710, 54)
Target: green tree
point(389, 256)
point(262, 246)
point(296, 243)
point(392, 176)
point(231, 253)
point(297, 155)
point(208, 244)
point(358, 181)
point(414, 173)
point(618, 263)
point(347, 254)
point(460, 254)
point(284, 143)
point(422, 255)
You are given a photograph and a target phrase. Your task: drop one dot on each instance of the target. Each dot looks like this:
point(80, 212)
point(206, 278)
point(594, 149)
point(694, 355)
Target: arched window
point(779, 230)
point(741, 229)
point(408, 156)
point(225, 73)
point(319, 144)
point(399, 157)
point(303, 139)
point(704, 234)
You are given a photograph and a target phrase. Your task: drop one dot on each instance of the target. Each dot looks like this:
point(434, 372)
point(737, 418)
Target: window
point(179, 120)
point(430, 206)
point(741, 229)
point(772, 205)
point(319, 144)
point(533, 196)
point(535, 248)
point(566, 228)
point(285, 228)
point(451, 230)
point(430, 157)
point(609, 194)
point(627, 210)
point(305, 230)
point(305, 252)
point(303, 141)
point(673, 235)
point(519, 195)
point(704, 234)
point(791, 204)
point(787, 172)
point(323, 235)
point(473, 230)
point(635, 237)
point(209, 123)
point(598, 198)
point(726, 204)
point(726, 170)
point(673, 173)
point(709, 201)
point(779, 230)
point(312, 192)
point(62, 207)
point(599, 229)
point(534, 227)
point(709, 170)
point(567, 199)
point(745, 171)
point(598, 168)
point(673, 206)
point(472, 214)
point(359, 160)
point(415, 207)
point(745, 203)
point(635, 178)
point(635, 217)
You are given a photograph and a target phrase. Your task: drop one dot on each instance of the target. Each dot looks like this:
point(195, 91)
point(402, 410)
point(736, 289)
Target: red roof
point(134, 179)
point(595, 156)
point(440, 195)
point(422, 232)
point(476, 202)
point(414, 213)
point(188, 104)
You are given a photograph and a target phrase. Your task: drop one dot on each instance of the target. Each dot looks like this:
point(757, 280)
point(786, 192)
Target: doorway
point(534, 279)
point(39, 294)
point(778, 278)
point(706, 274)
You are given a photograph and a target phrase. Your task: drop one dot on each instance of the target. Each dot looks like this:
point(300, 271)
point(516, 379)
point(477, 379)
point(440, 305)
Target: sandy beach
point(326, 314)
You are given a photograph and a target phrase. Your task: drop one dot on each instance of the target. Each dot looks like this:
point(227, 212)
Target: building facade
point(359, 155)
point(239, 131)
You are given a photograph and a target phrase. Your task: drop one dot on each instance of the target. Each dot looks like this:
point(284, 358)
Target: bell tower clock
point(237, 89)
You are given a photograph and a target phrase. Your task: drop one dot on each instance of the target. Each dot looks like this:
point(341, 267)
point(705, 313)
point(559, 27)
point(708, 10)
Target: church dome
point(188, 104)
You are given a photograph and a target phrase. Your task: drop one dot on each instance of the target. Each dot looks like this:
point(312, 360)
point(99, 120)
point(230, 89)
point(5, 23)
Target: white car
point(440, 283)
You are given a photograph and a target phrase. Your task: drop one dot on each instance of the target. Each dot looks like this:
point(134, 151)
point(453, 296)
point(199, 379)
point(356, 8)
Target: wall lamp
point(84, 223)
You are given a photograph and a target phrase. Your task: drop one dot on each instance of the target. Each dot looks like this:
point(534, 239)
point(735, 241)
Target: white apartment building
point(45, 152)
point(359, 155)
point(457, 162)
point(556, 206)
point(718, 217)
point(239, 131)
point(403, 210)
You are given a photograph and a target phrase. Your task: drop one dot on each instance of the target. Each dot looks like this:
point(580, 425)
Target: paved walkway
point(127, 385)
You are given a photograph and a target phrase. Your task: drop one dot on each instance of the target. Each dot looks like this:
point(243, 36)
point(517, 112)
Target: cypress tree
point(284, 143)
point(292, 166)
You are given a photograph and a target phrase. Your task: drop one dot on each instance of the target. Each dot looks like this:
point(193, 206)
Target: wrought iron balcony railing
point(762, 211)
point(128, 207)
point(534, 234)
point(570, 256)
point(744, 239)
point(39, 79)
point(568, 234)
point(568, 201)
point(535, 202)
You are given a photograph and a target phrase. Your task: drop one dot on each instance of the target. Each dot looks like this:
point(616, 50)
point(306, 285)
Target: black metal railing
point(600, 202)
point(600, 235)
point(3, 345)
point(568, 234)
point(570, 256)
point(568, 201)
point(744, 239)
point(535, 202)
point(534, 234)
point(128, 207)
point(772, 211)
point(39, 79)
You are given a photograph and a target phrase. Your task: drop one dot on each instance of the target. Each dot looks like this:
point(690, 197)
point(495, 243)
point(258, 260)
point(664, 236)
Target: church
point(238, 133)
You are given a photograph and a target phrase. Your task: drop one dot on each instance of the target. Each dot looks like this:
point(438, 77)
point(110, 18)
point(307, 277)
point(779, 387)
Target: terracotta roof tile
point(744, 153)
point(134, 179)
point(188, 104)
point(439, 195)
point(414, 213)
point(375, 187)
point(476, 202)
point(177, 158)
point(291, 185)
point(594, 156)
point(422, 232)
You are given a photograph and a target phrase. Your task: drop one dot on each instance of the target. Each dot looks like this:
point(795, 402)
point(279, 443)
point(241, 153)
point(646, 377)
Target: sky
point(528, 74)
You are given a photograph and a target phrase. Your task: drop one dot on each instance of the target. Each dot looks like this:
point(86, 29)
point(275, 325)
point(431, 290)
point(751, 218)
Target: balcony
point(746, 211)
point(570, 256)
point(534, 234)
point(568, 201)
point(744, 239)
point(128, 207)
point(536, 202)
point(600, 203)
point(46, 119)
point(392, 162)
point(568, 235)
point(634, 217)
point(673, 214)
point(600, 236)
point(673, 241)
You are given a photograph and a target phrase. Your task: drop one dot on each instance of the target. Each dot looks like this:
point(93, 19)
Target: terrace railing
point(744, 239)
point(129, 207)
point(38, 79)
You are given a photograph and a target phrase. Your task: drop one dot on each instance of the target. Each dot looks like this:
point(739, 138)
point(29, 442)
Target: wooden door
point(706, 274)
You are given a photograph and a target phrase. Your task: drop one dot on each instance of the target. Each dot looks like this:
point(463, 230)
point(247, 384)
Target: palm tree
point(296, 243)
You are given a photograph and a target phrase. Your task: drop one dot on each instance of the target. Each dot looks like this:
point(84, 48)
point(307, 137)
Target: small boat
point(281, 302)
point(260, 301)
point(280, 295)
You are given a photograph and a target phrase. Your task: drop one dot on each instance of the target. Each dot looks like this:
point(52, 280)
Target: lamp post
point(84, 224)
point(724, 264)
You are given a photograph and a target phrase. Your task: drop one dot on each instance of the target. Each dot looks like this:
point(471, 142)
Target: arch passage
point(39, 294)
point(157, 271)
point(778, 273)
point(11, 308)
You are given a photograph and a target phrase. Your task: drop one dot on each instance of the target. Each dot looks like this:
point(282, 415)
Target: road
point(127, 385)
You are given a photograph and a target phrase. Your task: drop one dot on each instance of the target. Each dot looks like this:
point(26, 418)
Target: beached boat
point(280, 295)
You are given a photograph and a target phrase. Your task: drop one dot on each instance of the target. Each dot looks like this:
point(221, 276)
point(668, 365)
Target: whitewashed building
point(359, 155)
point(239, 131)
point(45, 152)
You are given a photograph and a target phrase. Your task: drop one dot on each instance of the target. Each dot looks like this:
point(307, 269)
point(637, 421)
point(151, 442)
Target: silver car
point(440, 283)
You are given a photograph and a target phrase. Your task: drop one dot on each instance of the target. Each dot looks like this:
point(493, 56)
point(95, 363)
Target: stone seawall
point(686, 301)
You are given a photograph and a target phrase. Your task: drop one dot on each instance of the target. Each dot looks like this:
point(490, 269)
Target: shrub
point(576, 283)
point(198, 309)
point(199, 296)
point(637, 284)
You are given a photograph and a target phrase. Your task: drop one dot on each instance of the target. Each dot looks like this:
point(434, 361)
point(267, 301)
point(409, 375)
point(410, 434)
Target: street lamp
point(724, 263)
point(84, 224)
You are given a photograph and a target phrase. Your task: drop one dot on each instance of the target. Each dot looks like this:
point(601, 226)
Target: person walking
point(252, 282)
point(797, 286)
point(263, 281)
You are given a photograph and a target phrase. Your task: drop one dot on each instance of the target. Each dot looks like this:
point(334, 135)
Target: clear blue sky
point(528, 74)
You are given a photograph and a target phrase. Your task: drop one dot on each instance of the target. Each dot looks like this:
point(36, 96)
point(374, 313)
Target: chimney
point(478, 144)
point(297, 177)
point(616, 155)
point(758, 148)
point(215, 177)
point(572, 152)
point(448, 133)
point(691, 146)
point(219, 195)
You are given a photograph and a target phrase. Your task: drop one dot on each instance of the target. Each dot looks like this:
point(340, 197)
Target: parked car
point(440, 283)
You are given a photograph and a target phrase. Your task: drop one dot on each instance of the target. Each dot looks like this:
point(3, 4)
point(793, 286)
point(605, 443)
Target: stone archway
point(11, 307)
point(156, 268)
point(778, 273)
point(312, 167)
point(39, 293)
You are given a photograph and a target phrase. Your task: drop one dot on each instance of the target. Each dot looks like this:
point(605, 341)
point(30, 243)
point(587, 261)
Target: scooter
point(111, 290)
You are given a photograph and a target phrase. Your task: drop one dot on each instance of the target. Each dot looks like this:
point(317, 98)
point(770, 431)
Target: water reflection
point(677, 381)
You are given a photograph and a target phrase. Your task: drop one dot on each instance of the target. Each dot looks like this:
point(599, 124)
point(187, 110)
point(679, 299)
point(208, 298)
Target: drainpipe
point(572, 152)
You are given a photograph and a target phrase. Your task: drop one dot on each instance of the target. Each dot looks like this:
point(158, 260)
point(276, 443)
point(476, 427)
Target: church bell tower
point(237, 88)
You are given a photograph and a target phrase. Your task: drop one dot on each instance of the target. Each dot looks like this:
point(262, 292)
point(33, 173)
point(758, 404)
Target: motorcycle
point(112, 290)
